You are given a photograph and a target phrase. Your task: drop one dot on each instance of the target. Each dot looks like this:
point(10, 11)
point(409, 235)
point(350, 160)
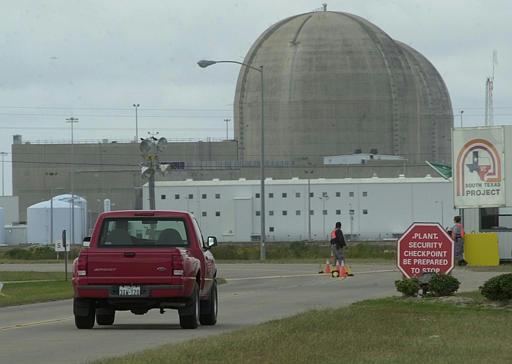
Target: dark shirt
point(339, 239)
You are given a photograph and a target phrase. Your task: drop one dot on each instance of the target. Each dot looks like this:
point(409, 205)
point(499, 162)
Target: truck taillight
point(81, 266)
point(177, 265)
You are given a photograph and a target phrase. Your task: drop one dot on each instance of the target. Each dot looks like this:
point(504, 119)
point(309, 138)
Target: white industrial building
point(369, 208)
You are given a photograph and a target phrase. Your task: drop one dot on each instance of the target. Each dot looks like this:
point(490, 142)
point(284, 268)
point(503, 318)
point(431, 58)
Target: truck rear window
point(143, 232)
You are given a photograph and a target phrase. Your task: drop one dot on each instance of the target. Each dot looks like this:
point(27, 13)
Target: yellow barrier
point(481, 249)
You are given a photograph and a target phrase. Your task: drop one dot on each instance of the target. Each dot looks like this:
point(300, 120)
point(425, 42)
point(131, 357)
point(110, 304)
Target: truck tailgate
point(131, 265)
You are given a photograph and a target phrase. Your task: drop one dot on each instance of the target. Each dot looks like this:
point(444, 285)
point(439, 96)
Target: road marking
point(305, 275)
point(35, 323)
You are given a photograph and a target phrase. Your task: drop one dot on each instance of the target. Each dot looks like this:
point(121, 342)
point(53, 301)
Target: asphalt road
point(45, 333)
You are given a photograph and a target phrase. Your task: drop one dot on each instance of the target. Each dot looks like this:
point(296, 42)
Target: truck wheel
point(209, 307)
point(189, 315)
point(105, 317)
point(83, 310)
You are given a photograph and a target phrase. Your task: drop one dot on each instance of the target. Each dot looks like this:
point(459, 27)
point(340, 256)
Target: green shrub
point(38, 252)
point(17, 253)
point(443, 285)
point(408, 286)
point(498, 288)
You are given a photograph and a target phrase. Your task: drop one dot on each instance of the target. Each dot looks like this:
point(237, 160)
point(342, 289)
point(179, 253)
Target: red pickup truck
point(139, 260)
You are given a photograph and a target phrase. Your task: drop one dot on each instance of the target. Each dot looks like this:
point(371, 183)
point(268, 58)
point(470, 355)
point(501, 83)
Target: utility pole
point(72, 121)
point(3, 154)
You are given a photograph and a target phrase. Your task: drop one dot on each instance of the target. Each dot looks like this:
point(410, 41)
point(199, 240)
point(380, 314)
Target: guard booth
point(482, 183)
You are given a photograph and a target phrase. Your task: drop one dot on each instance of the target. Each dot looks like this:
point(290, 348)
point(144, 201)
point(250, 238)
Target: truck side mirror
point(211, 241)
point(86, 242)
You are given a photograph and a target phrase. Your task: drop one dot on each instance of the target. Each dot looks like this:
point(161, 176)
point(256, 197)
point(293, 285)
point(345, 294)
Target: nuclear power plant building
point(341, 98)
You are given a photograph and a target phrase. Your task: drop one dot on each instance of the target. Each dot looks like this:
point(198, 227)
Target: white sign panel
point(59, 247)
point(478, 167)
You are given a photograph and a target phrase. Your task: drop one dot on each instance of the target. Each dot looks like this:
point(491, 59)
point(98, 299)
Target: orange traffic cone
point(342, 270)
point(327, 267)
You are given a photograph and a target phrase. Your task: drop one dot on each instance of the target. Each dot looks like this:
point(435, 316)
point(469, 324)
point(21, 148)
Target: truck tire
point(84, 312)
point(189, 315)
point(209, 307)
point(105, 317)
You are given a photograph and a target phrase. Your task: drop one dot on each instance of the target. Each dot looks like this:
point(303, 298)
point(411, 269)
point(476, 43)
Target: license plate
point(129, 290)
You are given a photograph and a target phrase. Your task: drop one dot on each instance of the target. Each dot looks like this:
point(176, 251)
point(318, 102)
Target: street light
point(309, 172)
point(206, 63)
point(136, 106)
point(227, 127)
point(324, 197)
point(72, 121)
point(461, 112)
point(3, 154)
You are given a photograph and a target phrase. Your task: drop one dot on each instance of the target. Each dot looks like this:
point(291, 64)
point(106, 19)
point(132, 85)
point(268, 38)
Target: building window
point(271, 229)
point(217, 196)
point(176, 197)
point(163, 197)
point(338, 212)
point(338, 194)
point(297, 212)
point(365, 212)
point(203, 213)
point(297, 194)
point(365, 194)
point(258, 213)
point(351, 212)
point(324, 212)
point(203, 196)
point(284, 195)
point(311, 194)
point(190, 196)
point(324, 194)
point(311, 212)
point(271, 213)
point(257, 195)
point(270, 195)
point(351, 194)
point(217, 213)
point(285, 213)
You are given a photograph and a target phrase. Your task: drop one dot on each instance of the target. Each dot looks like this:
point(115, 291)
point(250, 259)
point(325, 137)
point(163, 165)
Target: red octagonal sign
point(425, 247)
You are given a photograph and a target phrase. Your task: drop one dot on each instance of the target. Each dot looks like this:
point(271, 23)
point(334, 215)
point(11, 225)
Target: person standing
point(337, 244)
point(458, 239)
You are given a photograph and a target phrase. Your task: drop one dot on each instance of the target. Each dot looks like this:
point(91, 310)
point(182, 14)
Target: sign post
point(425, 248)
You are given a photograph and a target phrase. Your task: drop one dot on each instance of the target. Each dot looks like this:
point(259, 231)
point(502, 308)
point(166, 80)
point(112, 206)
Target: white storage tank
point(39, 220)
point(2, 226)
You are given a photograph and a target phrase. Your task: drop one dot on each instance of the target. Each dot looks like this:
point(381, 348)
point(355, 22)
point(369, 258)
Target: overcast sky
point(94, 59)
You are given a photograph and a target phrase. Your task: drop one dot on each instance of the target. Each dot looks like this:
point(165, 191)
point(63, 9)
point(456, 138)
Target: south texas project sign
point(425, 247)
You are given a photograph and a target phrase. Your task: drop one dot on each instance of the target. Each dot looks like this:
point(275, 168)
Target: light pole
point(227, 128)
point(3, 154)
point(309, 172)
point(72, 121)
point(461, 112)
point(324, 197)
point(206, 63)
point(442, 210)
point(136, 106)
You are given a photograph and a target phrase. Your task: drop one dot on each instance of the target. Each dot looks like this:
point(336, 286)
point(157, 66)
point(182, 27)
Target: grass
point(301, 251)
point(32, 292)
point(30, 276)
point(390, 330)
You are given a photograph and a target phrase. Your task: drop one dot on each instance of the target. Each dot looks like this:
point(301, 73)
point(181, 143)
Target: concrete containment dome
point(336, 84)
